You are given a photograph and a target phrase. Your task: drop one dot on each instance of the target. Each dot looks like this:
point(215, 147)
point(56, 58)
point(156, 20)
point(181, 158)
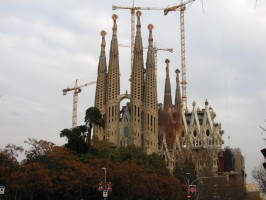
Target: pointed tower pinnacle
point(178, 99)
point(113, 89)
point(100, 94)
point(179, 108)
point(167, 89)
point(138, 48)
point(114, 17)
point(138, 14)
point(150, 27)
point(150, 100)
point(103, 34)
point(137, 85)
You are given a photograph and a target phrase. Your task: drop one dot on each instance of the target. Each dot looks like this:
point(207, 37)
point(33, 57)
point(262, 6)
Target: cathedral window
point(195, 133)
point(195, 143)
point(208, 132)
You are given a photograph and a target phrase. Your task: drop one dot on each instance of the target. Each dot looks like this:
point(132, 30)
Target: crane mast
point(75, 104)
point(183, 57)
point(182, 8)
point(76, 89)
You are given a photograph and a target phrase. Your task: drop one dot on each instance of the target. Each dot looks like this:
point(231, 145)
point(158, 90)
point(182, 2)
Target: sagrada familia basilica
point(163, 128)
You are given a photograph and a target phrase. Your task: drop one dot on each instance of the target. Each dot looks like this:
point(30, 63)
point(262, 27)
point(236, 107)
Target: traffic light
point(263, 151)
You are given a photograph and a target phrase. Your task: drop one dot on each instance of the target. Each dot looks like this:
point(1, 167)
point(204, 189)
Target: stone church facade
point(163, 128)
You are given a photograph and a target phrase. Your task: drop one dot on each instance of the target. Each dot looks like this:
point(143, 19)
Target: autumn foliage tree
point(32, 180)
point(133, 181)
point(8, 164)
point(58, 173)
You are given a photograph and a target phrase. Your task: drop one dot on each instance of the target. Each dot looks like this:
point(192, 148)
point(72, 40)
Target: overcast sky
point(46, 45)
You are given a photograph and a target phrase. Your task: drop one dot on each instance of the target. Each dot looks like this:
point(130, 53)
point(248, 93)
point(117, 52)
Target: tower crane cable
point(76, 89)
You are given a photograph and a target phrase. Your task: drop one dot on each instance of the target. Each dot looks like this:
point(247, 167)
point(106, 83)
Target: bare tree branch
point(259, 174)
point(262, 128)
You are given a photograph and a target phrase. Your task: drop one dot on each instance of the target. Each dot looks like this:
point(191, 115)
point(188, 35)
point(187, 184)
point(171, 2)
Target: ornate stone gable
point(202, 131)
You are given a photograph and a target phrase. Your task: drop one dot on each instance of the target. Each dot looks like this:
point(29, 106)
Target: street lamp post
point(188, 175)
point(105, 189)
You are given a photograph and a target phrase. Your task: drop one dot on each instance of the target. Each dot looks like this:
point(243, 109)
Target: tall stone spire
point(100, 96)
point(179, 109)
point(167, 89)
point(150, 100)
point(137, 84)
point(113, 89)
point(178, 99)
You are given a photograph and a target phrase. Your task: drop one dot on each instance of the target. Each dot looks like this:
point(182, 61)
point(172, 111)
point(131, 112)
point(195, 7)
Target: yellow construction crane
point(181, 7)
point(76, 89)
point(132, 11)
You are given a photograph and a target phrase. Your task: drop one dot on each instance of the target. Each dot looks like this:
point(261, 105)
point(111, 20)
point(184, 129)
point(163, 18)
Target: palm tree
point(93, 117)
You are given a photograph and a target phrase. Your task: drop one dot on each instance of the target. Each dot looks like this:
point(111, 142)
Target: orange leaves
point(58, 173)
point(38, 148)
point(32, 178)
point(132, 180)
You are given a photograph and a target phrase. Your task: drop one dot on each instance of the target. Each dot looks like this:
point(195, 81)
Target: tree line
point(55, 172)
point(76, 170)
